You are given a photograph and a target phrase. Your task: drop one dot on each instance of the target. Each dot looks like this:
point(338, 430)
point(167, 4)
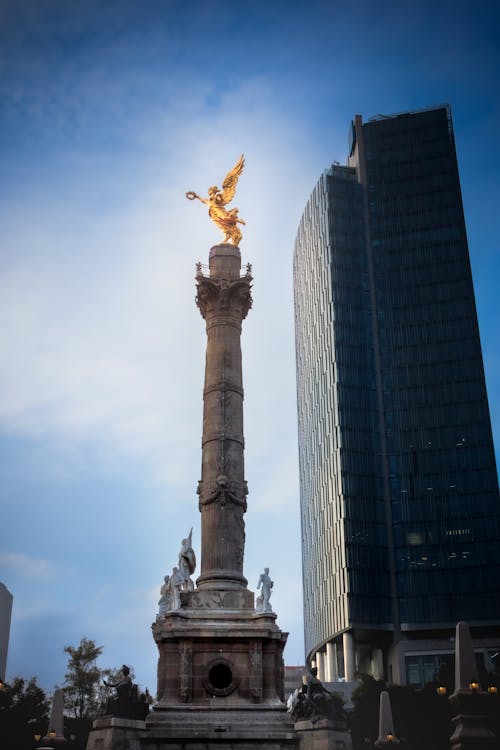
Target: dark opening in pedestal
point(220, 676)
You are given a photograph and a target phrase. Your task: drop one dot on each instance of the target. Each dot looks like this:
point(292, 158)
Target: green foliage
point(339, 707)
point(24, 710)
point(78, 730)
point(82, 680)
point(363, 720)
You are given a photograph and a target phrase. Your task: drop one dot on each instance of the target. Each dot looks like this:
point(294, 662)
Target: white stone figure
point(179, 580)
point(293, 700)
point(166, 592)
point(187, 563)
point(265, 585)
point(176, 582)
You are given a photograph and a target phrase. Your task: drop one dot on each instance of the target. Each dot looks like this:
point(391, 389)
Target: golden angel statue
point(227, 221)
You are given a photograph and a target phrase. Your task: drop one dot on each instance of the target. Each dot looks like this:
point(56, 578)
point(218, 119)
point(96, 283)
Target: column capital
point(222, 296)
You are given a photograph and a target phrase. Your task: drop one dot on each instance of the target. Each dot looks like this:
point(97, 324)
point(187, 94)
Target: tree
point(82, 680)
point(363, 718)
point(24, 711)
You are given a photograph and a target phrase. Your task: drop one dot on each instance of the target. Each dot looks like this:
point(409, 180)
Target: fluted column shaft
point(224, 300)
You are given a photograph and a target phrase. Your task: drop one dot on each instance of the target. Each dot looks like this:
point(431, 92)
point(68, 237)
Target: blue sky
point(109, 112)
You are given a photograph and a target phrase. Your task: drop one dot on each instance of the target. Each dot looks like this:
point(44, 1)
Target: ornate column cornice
point(223, 297)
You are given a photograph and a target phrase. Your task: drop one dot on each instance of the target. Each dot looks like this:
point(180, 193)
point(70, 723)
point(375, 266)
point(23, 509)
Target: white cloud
point(102, 347)
point(101, 340)
point(27, 567)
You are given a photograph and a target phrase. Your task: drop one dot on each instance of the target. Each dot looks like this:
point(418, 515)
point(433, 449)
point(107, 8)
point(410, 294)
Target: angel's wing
point(231, 179)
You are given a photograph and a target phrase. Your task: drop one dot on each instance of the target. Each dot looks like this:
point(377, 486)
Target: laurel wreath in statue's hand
point(190, 195)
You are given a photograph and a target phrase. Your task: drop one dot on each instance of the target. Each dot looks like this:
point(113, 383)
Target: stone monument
point(220, 667)
point(55, 731)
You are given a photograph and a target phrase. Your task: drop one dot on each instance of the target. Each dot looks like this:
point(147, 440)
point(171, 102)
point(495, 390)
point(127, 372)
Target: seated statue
point(166, 592)
point(313, 701)
point(127, 704)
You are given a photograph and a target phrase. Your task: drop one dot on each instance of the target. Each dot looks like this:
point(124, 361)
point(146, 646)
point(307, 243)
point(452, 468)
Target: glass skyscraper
point(399, 492)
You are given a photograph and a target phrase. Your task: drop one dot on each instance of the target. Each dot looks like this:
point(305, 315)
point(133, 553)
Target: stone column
point(378, 664)
point(331, 666)
point(224, 300)
point(320, 664)
point(335, 674)
point(349, 662)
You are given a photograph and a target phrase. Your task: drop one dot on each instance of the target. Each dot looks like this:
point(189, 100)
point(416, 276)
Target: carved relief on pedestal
point(255, 671)
point(185, 670)
point(211, 599)
point(280, 674)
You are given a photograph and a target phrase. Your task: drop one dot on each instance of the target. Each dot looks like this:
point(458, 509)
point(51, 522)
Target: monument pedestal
point(220, 676)
point(322, 735)
point(111, 733)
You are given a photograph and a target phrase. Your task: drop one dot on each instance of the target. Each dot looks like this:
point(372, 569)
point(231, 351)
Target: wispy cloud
point(102, 341)
point(108, 116)
point(27, 567)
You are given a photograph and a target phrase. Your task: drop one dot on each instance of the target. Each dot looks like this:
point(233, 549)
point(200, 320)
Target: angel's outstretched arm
point(192, 195)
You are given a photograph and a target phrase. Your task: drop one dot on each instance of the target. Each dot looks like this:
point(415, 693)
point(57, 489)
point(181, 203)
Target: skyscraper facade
point(6, 600)
point(400, 507)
